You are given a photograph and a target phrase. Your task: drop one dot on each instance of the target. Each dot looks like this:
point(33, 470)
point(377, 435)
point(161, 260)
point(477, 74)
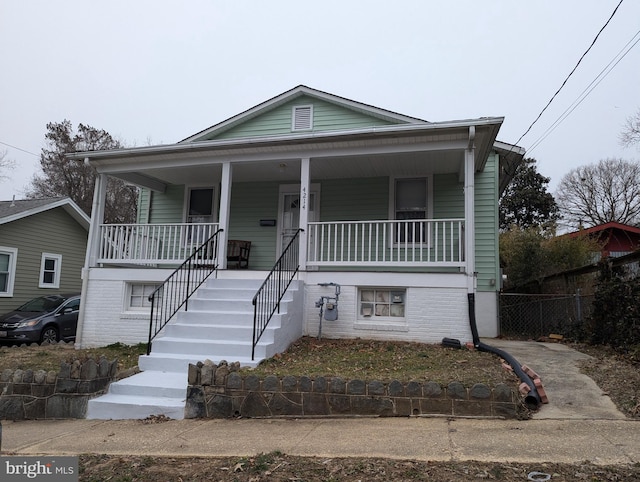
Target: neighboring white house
point(400, 212)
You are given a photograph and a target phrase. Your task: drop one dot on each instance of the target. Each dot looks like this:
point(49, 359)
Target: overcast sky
point(158, 71)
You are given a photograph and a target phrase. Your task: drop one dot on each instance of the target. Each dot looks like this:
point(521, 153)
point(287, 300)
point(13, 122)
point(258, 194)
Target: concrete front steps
point(217, 326)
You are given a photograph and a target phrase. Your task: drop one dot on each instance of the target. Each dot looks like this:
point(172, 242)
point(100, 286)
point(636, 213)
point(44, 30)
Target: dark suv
point(46, 319)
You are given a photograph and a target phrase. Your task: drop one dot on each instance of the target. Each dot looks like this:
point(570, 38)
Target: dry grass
point(49, 357)
point(385, 360)
point(616, 375)
point(364, 359)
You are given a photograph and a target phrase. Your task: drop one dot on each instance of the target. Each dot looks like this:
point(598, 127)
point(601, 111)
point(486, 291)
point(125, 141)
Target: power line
point(587, 90)
point(570, 73)
point(19, 149)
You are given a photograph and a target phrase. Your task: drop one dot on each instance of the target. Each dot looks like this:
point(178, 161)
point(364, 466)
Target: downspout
point(532, 399)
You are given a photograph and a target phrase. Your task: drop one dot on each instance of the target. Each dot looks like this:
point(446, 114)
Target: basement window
point(138, 296)
point(381, 304)
point(302, 118)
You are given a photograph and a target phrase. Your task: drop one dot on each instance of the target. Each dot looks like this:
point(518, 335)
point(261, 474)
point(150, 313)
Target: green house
point(381, 223)
point(42, 249)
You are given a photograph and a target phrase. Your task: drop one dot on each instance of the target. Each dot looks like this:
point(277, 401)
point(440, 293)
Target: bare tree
point(630, 134)
point(63, 177)
point(600, 193)
point(6, 164)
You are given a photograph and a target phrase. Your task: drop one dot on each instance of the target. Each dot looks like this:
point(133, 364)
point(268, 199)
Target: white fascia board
point(69, 206)
point(507, 148)
point(270, 140)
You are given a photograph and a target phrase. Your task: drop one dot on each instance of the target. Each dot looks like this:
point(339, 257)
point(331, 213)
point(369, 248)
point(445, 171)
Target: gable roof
point(13, 210)
point(299, 91)
point(604, 227)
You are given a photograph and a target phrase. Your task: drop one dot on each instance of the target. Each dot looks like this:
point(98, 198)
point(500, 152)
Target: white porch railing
point(416, 242)
point(151, 244)
point(408, 243)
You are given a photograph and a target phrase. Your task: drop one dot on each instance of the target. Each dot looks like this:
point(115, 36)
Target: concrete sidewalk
point(437, 439)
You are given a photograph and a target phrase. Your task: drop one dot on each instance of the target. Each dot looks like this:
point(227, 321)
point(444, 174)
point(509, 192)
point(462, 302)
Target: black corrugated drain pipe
point(532, 399)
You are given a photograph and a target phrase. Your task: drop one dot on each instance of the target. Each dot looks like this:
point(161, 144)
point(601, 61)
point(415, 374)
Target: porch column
point(305, 199)
point(93, 248)
point(469, 212)
point(225, 206)
point(97, 218)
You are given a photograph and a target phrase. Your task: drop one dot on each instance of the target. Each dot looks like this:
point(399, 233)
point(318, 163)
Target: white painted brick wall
point(103, 322)
point(430, 315)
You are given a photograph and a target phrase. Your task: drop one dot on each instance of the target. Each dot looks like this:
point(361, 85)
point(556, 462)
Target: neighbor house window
point(138, 298)
point(411, 203)
point(381, 304)
point(7, 270)
point(302, 118)
point(50, 270)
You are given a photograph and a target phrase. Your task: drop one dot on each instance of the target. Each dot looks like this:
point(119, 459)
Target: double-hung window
point(411, 204)
point(7, 270)
point(200, 211)
point(50, 267)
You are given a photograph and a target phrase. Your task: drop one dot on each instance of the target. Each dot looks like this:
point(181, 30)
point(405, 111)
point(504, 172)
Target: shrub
point(615, 319)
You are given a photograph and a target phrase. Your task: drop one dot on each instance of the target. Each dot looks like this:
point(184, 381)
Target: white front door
point(289, 213)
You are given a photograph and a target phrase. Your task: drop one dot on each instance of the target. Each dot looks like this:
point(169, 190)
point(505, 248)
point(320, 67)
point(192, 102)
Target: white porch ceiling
point(288, 170)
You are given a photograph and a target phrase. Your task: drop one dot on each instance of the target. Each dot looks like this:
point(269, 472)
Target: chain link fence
point(537, 315)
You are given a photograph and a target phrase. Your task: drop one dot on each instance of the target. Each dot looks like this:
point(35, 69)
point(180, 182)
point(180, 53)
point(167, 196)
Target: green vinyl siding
point(167, 207)
point(64, 236)
point(144, 205)
point(251, 202)
point(355, 199)
point(326, 116)
point(448, 197)
point(486, 218)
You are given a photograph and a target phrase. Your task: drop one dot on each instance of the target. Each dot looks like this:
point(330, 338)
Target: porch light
point(282, 166)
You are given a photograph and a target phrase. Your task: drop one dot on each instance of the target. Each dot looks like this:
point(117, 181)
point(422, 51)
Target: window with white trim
point(138, 296)
point(8, 258)
point(411, 203)
point(50, 267)
point(381, 304)
point(302, 118)
point(200, 210)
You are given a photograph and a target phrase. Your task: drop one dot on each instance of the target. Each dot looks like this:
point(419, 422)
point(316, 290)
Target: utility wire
point(570, 73)
point(588, 89)
point(18, 148)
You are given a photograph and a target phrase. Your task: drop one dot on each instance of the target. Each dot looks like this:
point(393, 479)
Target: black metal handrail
point(174, 293)
point(267, 300)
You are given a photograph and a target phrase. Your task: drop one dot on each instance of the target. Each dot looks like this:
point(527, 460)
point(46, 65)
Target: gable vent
point(302, 118)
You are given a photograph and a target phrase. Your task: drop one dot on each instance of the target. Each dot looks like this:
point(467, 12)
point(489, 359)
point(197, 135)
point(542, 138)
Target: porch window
point(138, 296)
point(411, 203)
point(200, 209)
point(50, 267)
point(381, 304)
point(7, 270)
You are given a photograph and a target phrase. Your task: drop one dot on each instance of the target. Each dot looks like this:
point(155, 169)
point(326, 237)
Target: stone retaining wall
point(221, 392)
point(30, 395)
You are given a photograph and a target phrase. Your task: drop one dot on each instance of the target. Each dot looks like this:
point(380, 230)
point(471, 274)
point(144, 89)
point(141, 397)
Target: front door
point(289, 213)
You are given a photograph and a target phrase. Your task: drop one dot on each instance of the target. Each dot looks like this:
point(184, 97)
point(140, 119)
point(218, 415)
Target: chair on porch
point(238, 254)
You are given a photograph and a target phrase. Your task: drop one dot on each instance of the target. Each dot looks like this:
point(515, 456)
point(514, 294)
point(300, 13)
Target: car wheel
point(49, 335)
